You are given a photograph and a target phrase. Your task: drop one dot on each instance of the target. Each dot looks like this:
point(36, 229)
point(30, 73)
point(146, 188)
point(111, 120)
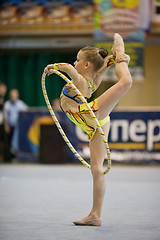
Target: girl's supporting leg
point(97, 155)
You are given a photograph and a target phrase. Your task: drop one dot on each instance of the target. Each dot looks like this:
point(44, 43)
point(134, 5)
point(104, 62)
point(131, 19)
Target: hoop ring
point(59, 126)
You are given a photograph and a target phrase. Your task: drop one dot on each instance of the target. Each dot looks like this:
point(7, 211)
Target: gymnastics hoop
point(59, 126)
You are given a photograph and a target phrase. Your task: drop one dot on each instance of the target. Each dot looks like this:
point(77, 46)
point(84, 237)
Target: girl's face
point(80, 63)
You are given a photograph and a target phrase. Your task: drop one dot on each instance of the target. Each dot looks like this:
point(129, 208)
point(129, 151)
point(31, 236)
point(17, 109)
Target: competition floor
point(39, 202)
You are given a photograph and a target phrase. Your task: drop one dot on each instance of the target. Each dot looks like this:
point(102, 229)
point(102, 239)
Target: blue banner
point(29, 134)
point(134, 136)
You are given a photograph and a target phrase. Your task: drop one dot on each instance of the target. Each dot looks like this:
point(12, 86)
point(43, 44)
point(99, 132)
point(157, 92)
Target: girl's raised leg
point(108, 100)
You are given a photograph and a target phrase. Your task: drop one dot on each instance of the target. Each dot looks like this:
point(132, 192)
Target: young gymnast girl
point(87, 74)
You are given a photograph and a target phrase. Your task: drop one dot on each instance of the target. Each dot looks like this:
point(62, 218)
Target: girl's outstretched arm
point(67, 68)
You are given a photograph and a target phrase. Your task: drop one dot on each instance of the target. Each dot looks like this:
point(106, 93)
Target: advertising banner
point(128, 18)
point(29, 127)
point(134, 136)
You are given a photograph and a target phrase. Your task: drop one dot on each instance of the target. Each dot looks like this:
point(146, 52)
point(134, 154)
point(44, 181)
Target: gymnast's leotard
point(81, 118)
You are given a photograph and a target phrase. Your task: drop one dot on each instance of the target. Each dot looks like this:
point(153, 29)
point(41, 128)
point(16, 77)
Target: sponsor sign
point(29, 134)
point(134, 136)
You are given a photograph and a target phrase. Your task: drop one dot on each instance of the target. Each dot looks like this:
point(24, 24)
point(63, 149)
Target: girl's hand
point(46, 70)
point(110, 60)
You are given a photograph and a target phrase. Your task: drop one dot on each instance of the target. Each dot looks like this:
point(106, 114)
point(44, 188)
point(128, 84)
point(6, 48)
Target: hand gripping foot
point(123, 58)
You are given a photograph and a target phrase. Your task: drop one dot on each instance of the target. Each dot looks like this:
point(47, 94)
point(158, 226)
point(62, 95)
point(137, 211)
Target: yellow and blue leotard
point(80, 118)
